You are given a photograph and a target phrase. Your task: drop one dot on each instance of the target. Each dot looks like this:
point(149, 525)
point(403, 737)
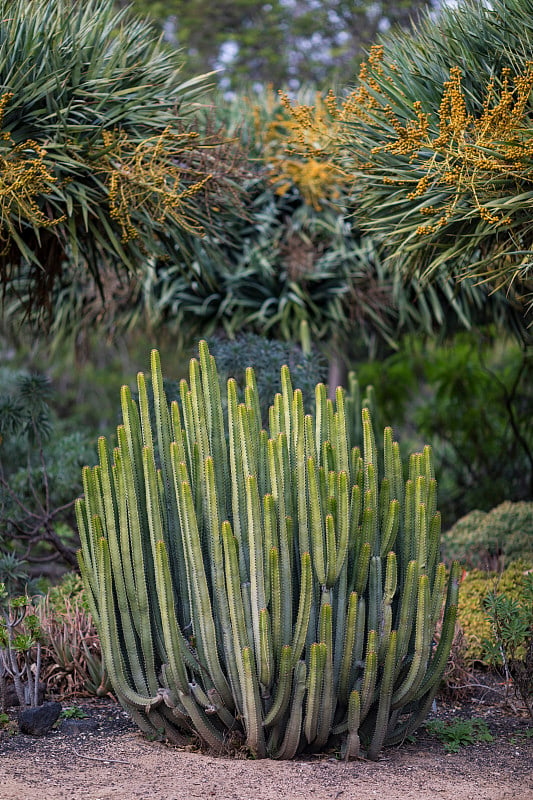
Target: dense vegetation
point(381, 240)
point(101, 167)
point(437, 135)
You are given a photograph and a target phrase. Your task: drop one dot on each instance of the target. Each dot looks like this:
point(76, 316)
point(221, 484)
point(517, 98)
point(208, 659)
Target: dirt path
point(116, 762)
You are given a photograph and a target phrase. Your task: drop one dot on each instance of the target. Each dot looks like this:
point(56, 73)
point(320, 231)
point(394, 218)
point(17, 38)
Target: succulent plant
point(264, 585)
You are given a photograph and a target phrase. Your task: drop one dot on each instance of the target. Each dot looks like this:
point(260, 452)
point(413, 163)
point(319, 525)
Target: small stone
point(38, 721)
point(76, 727)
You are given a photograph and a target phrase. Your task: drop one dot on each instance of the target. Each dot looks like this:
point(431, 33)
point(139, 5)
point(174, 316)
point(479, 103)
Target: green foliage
point(488, 452)
point(71, 652)
point(233, 356)
point(296, 254)
point(284, 260)
point(15, 575)
point(101, 170)
point(461, 733)
point(440, 141)
point(73, 712)
point(512, 622)
point(511, 643)
point(471, 396)
point(279, 587)
point(69, 589)
point(39, 465)
point(482, 539)
point(472, 616)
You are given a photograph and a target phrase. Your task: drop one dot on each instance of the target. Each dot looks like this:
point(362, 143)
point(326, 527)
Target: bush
point(71, 652)
point(267, 356)
point(264, 586)
point(472, 615)
point(511, 643)
point(482, 540)
point(69, 590)
point(471, 397)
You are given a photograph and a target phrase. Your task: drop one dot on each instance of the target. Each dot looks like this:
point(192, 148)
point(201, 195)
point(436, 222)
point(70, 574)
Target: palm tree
point(100, 167)
point(438, 136)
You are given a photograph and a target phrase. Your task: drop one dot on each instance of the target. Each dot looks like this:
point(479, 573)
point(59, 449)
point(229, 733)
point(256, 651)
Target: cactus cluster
point(264, 588)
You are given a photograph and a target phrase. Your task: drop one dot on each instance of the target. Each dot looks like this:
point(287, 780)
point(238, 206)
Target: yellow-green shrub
point(474, 588)
point(479, 539)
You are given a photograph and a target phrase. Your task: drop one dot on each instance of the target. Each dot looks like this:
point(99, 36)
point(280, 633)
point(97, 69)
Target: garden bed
point(117, 761)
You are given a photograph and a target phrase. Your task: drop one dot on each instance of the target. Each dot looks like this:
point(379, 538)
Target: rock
point(74, 727)
point(38, 721)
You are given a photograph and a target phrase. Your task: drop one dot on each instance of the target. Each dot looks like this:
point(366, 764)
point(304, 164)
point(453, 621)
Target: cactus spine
point(267, 584)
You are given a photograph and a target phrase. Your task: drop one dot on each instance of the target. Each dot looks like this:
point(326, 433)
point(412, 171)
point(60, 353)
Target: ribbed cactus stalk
point(279, 586)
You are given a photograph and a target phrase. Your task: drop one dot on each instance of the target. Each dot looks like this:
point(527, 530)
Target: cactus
point(265, 586)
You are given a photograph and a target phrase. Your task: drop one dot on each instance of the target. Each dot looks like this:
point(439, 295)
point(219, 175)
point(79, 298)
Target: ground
point(116, 761)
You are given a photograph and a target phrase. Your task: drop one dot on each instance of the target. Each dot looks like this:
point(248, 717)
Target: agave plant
point(264, 585)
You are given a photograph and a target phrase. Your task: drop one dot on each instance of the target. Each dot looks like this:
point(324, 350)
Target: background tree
point(283, 42)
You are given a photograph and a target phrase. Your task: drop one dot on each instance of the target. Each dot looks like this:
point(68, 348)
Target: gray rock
point(38, 721)
point(74, 727)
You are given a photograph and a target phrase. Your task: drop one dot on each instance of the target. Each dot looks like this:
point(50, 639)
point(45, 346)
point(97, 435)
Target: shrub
point(71, 651)
point(267, 356)
point(483, 447)
point(475, 587)
point(483, 539)
point(270, 588)
point(68, 590)
point(511, 642)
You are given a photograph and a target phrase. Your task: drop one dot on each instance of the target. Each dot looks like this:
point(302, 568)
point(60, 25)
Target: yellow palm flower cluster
point(464, 154)
point(297, 150)
point(321, 128)
point(152, 176)
point(314, 137)
point(470, 152)
point(24, 177)
point(315, 180)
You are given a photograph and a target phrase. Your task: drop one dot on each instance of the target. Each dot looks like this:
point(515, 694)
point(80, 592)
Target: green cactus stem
point(279, 586)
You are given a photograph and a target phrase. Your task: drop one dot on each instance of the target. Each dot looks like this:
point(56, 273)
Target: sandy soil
point(117, 762)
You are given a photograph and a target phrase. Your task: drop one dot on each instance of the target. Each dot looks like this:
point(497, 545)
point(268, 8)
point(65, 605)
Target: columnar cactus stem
point(264, 581)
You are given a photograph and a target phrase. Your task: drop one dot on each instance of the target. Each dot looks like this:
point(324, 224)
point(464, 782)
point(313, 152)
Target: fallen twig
point(106, 760)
